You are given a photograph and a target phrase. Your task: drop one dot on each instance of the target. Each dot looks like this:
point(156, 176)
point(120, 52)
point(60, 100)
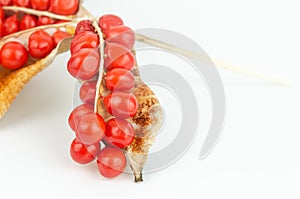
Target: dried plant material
point(13, 81)
point(205, 59)
point(147, 121)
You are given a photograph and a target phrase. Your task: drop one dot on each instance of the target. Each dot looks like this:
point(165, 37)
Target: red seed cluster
point(15, 55)
point(11, 23)
point(65, 7)
point(90, 128)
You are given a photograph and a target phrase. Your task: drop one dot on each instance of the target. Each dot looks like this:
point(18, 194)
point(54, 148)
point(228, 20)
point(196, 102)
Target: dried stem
point(101, 67)
point(203, 58)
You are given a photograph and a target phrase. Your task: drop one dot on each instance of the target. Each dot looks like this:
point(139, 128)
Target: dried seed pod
point(13, 81)
point(147, 121)
point(145, 110)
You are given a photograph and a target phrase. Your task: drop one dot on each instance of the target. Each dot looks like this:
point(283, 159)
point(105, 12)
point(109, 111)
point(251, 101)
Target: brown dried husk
point(148, 122)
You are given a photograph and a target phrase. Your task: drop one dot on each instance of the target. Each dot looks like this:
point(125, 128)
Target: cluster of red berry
point(90, 128)
point(66, 7)
point(14, 55)
point(12, 22)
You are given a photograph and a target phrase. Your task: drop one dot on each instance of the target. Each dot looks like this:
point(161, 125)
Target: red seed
point(118, 56)
point(23, 3)
point(61, 21)
point(77, 113)
point(2, 13)
point(122, 35)
point(91, 128)
point(88, 92)
point(111, 162)
point(40, 44)
point(84, 64)
point(84, 25)
point(84, 39)
point(1, 27)
point(59, 36)
point(84, 154)
point(119, 133)
point(13, 55)
point(65, 7)
point(122, 105)
point(108, 21)
point(44, 20)
point(6, 2)
point(28, 21)
point(119, 79)
point(10, 25)
point(40, 4)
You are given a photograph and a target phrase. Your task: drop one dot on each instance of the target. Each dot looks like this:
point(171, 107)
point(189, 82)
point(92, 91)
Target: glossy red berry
point(13, 55)
point(88, 92)
point(77, 113)
point(65, 7)
point(28, 21)
point(2, 13)
point(122, 35)
point(108, 21)
point(84, 25)
point(40, 44)
point(10, 25)
point(22, 3)
point(6, 2)
point(61, 21)
point(84, 64)
point(1, 25)
point(84, 154)
point(40, 4)
point(122, 105)
point(119, 133)
point(119, 79)
point(84, 39)
point(111, 162)
point(59, 36)
point(91, 128)
point(44, 20)
point(118, 56)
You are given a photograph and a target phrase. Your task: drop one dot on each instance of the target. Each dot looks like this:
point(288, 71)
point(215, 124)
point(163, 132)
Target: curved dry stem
point(101, 67)
point(203, 58)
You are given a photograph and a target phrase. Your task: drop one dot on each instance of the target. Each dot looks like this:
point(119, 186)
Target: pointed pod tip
point(138, 177)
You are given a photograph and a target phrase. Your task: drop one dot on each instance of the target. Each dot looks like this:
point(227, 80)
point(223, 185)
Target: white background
point(258, 155)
